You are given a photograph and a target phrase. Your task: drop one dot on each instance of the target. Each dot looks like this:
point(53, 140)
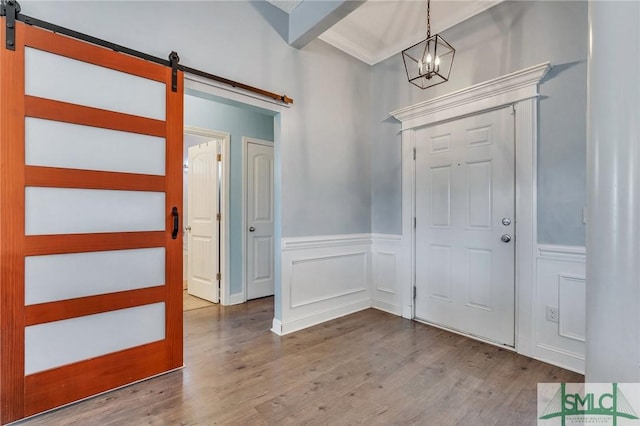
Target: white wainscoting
point(327, 277)
point(323, 278)
point(387, 273)
point(560, 272)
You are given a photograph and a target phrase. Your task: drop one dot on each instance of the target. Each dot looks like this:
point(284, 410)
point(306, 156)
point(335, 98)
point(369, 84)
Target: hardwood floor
point(367, 368)
point(190, 302)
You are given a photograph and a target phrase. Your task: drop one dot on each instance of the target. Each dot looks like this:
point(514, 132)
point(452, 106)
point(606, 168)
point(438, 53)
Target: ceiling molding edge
point(372, 58)
point(347, 46)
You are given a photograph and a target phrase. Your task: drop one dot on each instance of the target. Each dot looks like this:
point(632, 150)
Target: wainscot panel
point(560, 306)
point(324, 278)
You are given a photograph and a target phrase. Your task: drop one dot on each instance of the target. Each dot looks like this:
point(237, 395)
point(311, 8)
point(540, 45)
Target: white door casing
point(284, 130)
point(259, 213)
point(519, 88)
point(202, 227)
point(464, 205)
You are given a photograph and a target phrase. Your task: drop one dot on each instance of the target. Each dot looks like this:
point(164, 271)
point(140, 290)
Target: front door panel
point(464, 189)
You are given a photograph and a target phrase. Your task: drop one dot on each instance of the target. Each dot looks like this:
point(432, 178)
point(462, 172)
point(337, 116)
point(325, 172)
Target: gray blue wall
point(209, 114)
point(325, 162)
point(506, 38)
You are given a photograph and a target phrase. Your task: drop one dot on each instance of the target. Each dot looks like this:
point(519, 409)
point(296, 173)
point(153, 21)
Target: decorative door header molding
point(501, 91)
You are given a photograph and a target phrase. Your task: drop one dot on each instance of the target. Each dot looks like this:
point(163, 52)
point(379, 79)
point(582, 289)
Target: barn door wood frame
point(25, 388)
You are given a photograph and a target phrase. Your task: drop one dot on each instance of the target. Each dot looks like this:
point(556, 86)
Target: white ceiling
point(382, 28)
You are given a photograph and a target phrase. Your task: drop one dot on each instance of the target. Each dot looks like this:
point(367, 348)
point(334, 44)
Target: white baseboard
point(387, 307)
point(276, 327)
point(235, 299)
point(319, 317)
point(562, 358)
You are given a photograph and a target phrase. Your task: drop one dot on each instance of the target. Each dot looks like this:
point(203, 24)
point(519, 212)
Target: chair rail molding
point(520, 89)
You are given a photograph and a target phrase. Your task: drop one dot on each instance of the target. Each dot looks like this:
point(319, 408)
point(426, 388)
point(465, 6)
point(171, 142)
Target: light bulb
point(437, 63)
point(420, 66)
point(428, 59)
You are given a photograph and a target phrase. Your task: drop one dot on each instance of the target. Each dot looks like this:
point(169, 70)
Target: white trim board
point(520, 89)
point(282, 129)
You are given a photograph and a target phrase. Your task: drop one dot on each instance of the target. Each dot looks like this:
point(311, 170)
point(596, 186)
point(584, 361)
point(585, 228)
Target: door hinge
point(414, 292)
point(219, 157)
point(219, 217)
point(10, 9)
point(173, 60)
point(414, 153)
point(218, 276)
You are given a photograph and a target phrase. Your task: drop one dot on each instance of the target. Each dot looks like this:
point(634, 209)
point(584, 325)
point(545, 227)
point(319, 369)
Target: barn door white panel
point(203, 238)
point(465, 200)
point(260, 208)
point(90, 298)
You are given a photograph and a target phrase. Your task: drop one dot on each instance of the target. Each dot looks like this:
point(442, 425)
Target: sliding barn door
point(90, 173)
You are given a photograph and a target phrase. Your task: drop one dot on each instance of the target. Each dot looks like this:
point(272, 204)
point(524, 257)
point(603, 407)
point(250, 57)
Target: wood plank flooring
point(368, 368)
point(190, 302)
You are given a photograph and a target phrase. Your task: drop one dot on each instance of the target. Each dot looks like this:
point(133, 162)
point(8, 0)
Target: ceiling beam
point(312, 18)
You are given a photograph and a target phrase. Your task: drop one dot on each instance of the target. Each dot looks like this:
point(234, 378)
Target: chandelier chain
point(428, 18)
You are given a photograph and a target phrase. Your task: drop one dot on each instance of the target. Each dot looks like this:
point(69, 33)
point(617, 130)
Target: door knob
point(505, 238)
point(506, 221)
point(252, 229)
point(187, 228)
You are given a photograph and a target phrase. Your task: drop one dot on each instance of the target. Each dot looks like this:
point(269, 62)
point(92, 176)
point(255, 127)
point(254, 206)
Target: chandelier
point(429, 62)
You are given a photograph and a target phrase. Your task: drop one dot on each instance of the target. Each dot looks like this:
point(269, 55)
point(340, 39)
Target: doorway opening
point(208, 265)
point(205, 177)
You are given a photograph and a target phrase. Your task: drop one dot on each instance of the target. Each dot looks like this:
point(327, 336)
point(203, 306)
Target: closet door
point(90, 192)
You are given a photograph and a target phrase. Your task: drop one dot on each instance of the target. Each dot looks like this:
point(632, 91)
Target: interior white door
point(259, 211)
point(465, 242)
point(203, 230)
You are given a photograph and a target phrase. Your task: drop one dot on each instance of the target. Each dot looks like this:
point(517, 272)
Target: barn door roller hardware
point(11, 10)
point(173, 60)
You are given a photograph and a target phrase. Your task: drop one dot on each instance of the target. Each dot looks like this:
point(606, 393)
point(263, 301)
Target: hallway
point(365, 368)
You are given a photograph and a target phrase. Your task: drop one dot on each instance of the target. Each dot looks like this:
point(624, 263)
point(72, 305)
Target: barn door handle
point(176, 222)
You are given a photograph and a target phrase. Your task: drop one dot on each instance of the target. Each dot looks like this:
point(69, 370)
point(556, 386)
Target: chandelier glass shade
point(429, 62)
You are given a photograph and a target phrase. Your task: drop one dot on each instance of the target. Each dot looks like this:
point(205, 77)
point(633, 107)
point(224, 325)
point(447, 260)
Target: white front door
point(465, 242)
point(259, 213)
point(203, 230)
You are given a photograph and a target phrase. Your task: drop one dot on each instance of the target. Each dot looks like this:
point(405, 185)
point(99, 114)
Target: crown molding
point(372, 55)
